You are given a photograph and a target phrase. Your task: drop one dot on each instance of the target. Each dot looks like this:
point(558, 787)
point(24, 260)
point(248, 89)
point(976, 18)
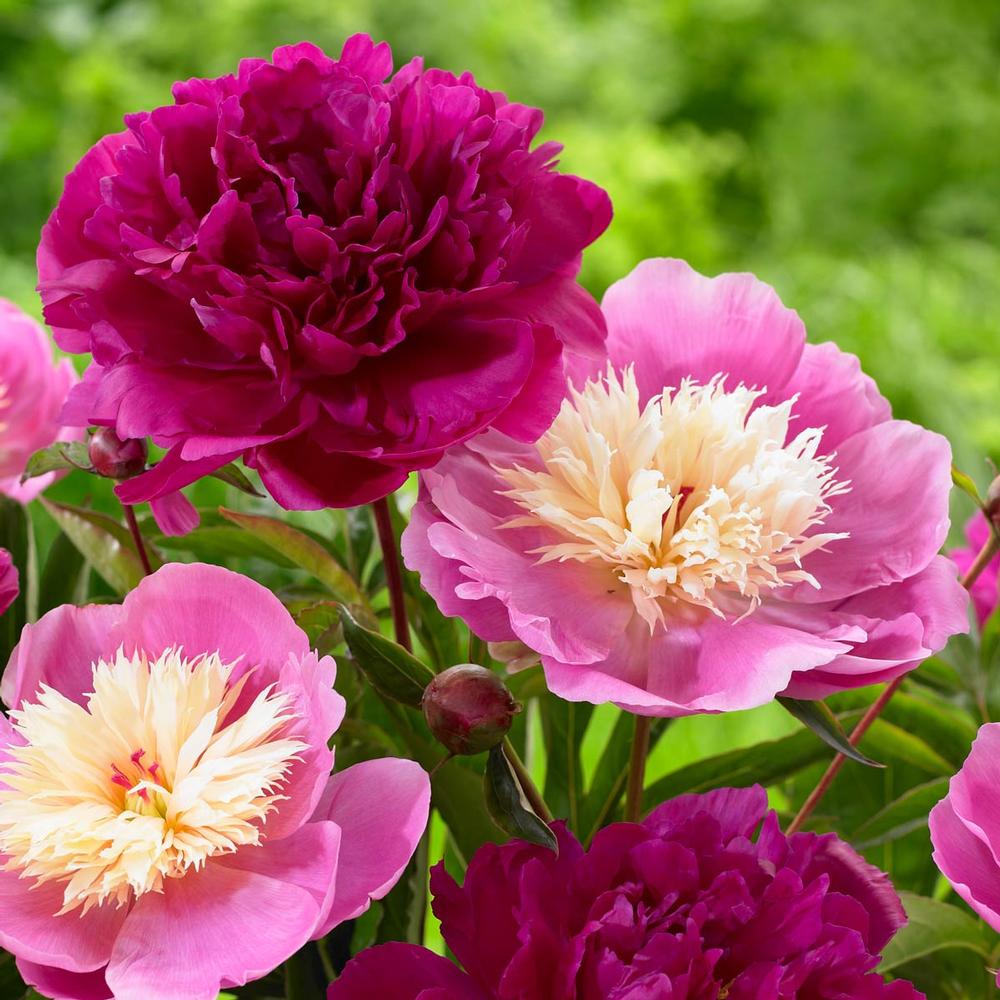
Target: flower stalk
point(637, 769)
point(140, 545)
point(982, 560)
point(393, 572)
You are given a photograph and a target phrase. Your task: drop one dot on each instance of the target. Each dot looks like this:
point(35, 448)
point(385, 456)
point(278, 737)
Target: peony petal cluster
point(9, 588)
point(723, 514)
point(33, 389)
point(706, 898)
point(985, 590)
point(169, 824)
point(965, 829)
point(330, 269)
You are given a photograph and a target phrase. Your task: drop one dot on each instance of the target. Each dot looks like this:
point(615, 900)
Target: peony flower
point(725, 514)
point(33, 388)
point(965, 830)
point(168, 822)
point(330, 270)
point(689, 904)
point(8, 581)
point(985, 592)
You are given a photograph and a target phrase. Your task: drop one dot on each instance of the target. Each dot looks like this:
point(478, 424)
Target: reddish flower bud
point(114, 458)
point(468, 708)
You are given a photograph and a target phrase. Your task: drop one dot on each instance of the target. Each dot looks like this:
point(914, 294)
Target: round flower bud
point(992, 506)
point(114, 458)
point(468, 708)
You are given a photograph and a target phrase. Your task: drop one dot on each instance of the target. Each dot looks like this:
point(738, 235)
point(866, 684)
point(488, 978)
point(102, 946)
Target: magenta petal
point(674, 323)
point(402, 972)
point(382, 807)
point(174, 514)
point(228, 923)
point(53, 982)
point(9, 588)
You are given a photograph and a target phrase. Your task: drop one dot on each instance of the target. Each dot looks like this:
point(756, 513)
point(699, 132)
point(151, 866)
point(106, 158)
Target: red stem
point(140, 546)
point(982, 560)
point(393, 572)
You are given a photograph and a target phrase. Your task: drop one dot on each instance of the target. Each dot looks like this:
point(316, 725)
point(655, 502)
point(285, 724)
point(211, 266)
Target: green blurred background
point(847, 152)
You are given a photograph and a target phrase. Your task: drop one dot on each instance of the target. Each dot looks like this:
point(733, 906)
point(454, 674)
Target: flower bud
point(991, 506)
point(114, 458)
point(468, 708)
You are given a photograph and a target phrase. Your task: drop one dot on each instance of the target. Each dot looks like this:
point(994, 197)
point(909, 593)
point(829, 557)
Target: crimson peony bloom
point(985, 591)
point(724, 514)
point(8, 581)
point(965, 829)
point(689, 904)
point(33, 389)
point(168, 822)
point(330, 270)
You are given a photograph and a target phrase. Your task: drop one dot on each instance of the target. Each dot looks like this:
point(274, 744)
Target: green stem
point(637, 769)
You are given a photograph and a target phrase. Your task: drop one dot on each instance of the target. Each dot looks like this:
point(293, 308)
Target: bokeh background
point(847, 152)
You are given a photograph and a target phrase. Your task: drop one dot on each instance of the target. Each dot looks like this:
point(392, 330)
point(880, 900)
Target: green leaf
point(57, 457)
point(891, 741)
point(765, 764)
point(321, 623)
point(103, 542)
point(966, 484)
point(563, 726)
point(64, 571)
point(393, 671)
point(933, 926)
point(404, 908)
point(818, 717)
point(233, 475)
point(508, 805)
point(901, 816)
point(220, 543)
point(302, 550)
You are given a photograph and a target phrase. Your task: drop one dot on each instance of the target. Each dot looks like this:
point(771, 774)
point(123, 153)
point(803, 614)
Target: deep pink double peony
point(330, 270)
point(33, 389)
point(985, 590)
point(725, 514)
point(8, 581)
point(965, 829)
point(169, 825)
point(706, 898)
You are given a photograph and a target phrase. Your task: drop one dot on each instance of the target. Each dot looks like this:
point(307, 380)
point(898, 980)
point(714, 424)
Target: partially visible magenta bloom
point(705, 898)
point(169, 822)
point(332, 270)
point(33, 389)
point(985, 591)
point(965, 829)
point(8, 581)
point(723, 514)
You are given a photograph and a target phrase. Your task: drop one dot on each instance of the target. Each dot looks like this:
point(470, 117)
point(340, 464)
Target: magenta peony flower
point(168, 821)
point(332, 271)
point(726, 514)
point(965, 829)
point(689, 904)
point(33, 388)
point(985, 592)
point(8, 581)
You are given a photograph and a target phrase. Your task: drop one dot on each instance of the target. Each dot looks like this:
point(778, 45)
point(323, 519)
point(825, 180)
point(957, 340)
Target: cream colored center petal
point(146, 781)
point(694, 501)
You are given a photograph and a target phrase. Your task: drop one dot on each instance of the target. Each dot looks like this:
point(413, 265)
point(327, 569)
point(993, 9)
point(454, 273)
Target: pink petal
point(382, 807)
point(63, 985)
point(233, 921)
point(672, 323)
point(896, 511)
point(208, 609)
point(174, 514)
point(31, 930)
point(59, 650)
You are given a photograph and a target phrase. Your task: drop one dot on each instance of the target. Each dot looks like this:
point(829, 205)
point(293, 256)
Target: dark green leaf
point(404, 908)
point(233, 475)
point(302, 550)
point(104, 543)
point(65, 568)
point(393, 671)
point(901, 816)
point(57, 457)
point(818, 717)
point(563, 726)
point(508, 805)
point(933, 926)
